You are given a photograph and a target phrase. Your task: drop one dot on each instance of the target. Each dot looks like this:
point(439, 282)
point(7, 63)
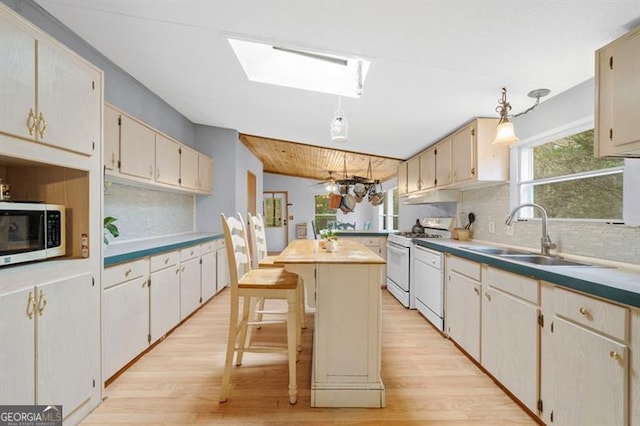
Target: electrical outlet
point(511, 231)
point(492, 227)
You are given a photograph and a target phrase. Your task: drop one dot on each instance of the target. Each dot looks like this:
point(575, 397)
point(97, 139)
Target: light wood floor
point(427, 379)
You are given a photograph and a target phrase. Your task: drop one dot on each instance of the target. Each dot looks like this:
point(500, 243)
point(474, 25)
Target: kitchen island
point(347, 325)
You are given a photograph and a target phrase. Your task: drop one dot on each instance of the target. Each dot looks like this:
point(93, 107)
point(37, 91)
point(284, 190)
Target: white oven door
point(398, 265)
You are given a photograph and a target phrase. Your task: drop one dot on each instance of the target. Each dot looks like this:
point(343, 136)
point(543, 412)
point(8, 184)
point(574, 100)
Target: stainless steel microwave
point(31, 231)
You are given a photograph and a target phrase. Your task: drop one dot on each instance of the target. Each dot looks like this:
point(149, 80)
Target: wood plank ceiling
point(315, 162)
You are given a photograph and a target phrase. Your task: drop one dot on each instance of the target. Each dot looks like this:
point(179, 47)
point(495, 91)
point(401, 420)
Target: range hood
point(431, 196)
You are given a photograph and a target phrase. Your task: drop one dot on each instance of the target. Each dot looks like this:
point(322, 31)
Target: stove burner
point(418, 235)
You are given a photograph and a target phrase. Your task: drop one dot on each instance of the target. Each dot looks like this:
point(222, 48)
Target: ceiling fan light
point(505, 134)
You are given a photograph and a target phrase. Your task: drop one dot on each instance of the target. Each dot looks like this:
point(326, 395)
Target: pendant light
point(339, 125)
point(505, 134)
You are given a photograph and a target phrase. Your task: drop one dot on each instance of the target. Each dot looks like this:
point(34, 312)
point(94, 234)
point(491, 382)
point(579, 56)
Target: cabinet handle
point(42, 125)
point(584, 311)
point(166, 261)
point(31, 121)
point(127, 272)
point(113, 159)
point(31, 305)
point(476, 290)
point(144, 283)
point(150, 170)
point(177, 271)
point(487, 295)
point(473, 171)
point(157, 173)
point(182, 269)
point(42, 302)
point(615, 355)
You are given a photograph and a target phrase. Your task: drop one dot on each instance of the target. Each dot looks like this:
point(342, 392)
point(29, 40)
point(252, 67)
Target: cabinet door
point(402, 178)
point(111, 138)
point(125, 323)
point(443, 162)
point(164, 305)
point(189, 287)
point(222, 268)
point(510, 344)
point(17, 353)
point(619, 93)
point(590, 380)
point(69, 99)
point(428, 168)
point(17, 77)
point(137, 148)
point(208, 275)
point(463, 155)
point(67, 341)
point(463, 312)
point(167, 160)
point(413, 174)
point(189, 168)
point(205, 173)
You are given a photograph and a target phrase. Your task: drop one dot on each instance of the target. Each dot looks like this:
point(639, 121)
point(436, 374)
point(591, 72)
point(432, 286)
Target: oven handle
point(395, 249)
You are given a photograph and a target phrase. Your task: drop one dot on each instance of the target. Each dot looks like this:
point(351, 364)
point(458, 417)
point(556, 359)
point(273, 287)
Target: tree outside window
point(323, 214)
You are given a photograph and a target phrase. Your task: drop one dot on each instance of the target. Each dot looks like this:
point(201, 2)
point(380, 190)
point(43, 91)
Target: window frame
point(315, 214)
point(388, 216)
point(520, 159)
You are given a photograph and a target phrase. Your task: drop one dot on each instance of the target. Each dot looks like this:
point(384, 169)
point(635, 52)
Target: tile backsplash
point(147, 213)
point(592, 239)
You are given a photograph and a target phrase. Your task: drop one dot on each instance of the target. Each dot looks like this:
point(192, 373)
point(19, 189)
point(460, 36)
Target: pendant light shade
point(339, 126)
point(505, 135)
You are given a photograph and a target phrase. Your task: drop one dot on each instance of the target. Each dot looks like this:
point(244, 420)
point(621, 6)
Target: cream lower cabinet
point(586, 362)
point(49, 333)
point(510, 348)
point(222, 265)
point(208, 273)
point(189, 280)
point(378, 245)
point(463, 289)
point(164, 293)
point(126, 314)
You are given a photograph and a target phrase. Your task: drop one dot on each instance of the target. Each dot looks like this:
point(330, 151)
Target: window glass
point(323, 214)
point(388, 211)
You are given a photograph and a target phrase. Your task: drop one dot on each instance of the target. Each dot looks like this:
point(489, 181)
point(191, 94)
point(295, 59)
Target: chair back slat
point(237, 250)
point(258, 238)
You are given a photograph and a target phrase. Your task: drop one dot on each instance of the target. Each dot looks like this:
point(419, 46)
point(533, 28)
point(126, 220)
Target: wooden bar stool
point(247, 283)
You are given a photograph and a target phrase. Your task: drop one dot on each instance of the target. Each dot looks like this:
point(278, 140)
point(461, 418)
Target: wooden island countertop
point(344, 288)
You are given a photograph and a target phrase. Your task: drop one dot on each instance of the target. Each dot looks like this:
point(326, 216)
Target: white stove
point(399, 248)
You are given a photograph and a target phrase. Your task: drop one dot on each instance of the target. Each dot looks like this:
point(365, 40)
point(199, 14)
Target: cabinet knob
point(42, 302)
point(42, 125)
point(476, 290)
point(31, 122)
point(157, 173)
point(487, 295)
point(113, 159)
point(584, 311)
point(127, 272)
point(615, 355)
point(150, 170)
point(31, 305)
point(166, 261)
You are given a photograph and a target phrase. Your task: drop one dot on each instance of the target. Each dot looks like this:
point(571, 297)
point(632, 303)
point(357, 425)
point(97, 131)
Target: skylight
point(301, 68)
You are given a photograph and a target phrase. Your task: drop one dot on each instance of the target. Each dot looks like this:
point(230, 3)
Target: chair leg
point(248, 307)
point(259, 307)
point(293, 328)
point(231, 344)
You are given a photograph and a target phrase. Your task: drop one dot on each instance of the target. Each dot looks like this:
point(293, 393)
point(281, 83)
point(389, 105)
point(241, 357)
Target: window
point(563, 176)
point(388, 211)
point(323, 214)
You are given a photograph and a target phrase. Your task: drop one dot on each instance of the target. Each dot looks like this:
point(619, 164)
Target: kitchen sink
point(497, 251)
point(543, 260)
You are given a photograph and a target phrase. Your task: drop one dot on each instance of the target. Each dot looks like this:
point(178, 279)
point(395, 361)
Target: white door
point(275, 220)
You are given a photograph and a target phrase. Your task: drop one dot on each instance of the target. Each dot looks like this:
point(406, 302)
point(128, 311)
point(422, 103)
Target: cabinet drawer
point(370, 241)
point(465, 267)
point(599, 315)
point(125, 272)
point(189, 253)
point(219, 243)
point(164, 260)
point(517, 285)
point(207, 247)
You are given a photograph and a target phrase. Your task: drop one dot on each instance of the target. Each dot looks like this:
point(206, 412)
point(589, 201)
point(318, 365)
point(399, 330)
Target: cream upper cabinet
point(428, 168)
point(617, 128)
point(402, 178)
point(463, 289)
point(189, 168)
point(205, 173)
point(474, 159)
point(137, 148)
point(413, 175)
point(590, 360)
point(510, 348)
point(52, 96)
point(167, 160)
point(443, 162)
point(111, 138)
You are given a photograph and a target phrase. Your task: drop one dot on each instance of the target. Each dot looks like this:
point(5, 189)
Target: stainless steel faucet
point(545, 241)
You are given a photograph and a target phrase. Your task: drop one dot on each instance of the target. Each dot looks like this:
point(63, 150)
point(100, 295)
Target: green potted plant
point(330, 238)
point(110, 227)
